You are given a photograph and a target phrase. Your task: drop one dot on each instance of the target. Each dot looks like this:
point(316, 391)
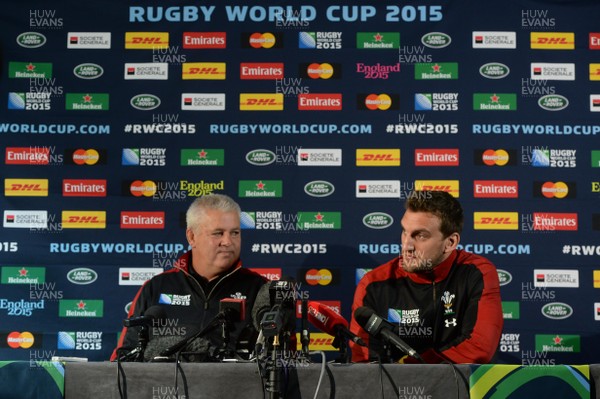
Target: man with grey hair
point(189, 295)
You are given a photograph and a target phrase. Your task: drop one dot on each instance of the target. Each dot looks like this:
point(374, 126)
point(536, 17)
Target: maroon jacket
point(452, 314)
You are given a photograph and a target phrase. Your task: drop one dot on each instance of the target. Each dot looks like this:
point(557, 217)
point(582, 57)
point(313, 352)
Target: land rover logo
point(504, 277)
point(319, 188)
point(553, 102)
point(82, 276)
point(261, 157)
point(378, 220)
point(31, 40)
point(145, 102)
point(88, 71)
point(557, 310)
point(494, 70)
point(436, 40)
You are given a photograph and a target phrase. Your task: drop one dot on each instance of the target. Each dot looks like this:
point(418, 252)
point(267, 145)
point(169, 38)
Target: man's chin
point(415, 267)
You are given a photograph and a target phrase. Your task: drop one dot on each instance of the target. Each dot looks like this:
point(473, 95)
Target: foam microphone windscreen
point(237, 305)
point(200, 345)
point(362, 315)
point(262, 304)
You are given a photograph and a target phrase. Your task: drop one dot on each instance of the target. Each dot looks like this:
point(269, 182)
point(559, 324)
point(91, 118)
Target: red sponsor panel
point(261, 70)
point(436, 157)
point(204, 40)
point(273, 273)
point(555, 221)
point(495, 189)
point(142, 220)
point(320, 102)
point(27, 156)
point(594, 40)
point(84, 188)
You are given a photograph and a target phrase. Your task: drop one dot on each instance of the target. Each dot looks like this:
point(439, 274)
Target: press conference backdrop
point(319, 118)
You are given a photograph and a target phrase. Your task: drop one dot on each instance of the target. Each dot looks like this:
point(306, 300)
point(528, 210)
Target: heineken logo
point(81, 308)
point(23, 275)
point(145, 102)
point(31, 40)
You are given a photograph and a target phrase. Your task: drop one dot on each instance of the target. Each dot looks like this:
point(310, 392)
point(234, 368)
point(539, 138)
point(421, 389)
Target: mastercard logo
point(495, 157)
point(555, 190)
point(145, 188)
point(86, 157)
point(322, 71)
point(378, 101)
point(318, 277)
point(23, 340)
point(262, 40)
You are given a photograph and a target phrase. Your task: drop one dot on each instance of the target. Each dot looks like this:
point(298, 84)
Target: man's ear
point(191, 237)
point(452, 242)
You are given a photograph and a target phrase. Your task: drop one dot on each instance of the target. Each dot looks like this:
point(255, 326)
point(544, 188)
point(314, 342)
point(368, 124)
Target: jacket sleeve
point(481, 323)
point(359, 353)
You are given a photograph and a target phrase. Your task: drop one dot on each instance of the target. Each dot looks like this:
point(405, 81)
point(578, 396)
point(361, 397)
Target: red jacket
point(453, 313)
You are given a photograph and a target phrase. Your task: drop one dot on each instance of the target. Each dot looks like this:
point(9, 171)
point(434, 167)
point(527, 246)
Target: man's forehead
point(421, 220)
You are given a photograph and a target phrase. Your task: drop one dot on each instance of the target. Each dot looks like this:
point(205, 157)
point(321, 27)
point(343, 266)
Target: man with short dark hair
point(190, 292)
point(444, 302)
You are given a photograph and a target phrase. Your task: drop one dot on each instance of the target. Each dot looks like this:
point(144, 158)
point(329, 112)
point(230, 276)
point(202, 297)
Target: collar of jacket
point(185, 262)
point(439, 273)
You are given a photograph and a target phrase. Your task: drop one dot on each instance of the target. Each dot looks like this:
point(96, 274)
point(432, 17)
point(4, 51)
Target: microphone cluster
point(167, 345)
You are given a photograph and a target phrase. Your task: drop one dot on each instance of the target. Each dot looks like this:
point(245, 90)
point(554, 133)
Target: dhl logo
point(84, 219)
point(261, 102)
point(594, 71)
point(368, 157)
point(496, 220)
point(450, 186)
point(318, 342)
point(146, 40)
point(553, 40)
point(204, 71)
point(26, 187)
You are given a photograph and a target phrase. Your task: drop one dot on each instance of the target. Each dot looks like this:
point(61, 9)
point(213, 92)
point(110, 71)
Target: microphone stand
point(274, 380)
point(340, 342)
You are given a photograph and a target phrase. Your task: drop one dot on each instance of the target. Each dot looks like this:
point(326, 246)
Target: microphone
point(262, 304)
point(227, 315)
point(328, 321)
point(153, 312)
point(305, 334)
point(377, 326)
point(238, 305)
point(275, 296)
